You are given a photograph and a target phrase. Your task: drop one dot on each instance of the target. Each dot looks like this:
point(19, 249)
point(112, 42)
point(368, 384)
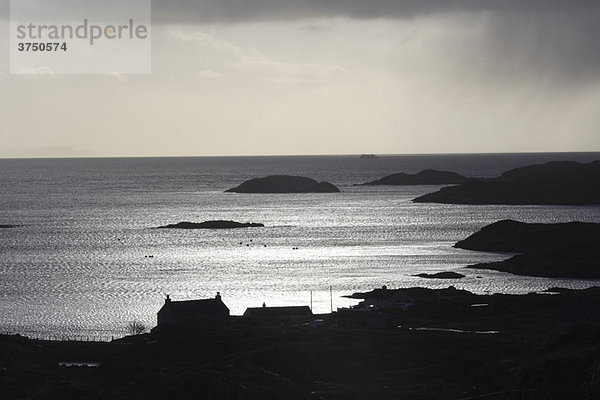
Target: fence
point(90, 336)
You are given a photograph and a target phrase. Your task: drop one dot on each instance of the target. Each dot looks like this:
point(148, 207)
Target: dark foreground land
point(537, 346)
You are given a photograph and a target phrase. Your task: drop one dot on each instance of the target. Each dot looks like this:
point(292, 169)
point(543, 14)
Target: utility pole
point(311, 300)
point(331, 298)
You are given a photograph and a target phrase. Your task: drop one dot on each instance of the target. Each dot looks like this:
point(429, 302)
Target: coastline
point(441, 337)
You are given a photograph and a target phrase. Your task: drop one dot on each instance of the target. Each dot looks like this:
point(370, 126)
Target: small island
point(368, 157)
point(219, 224)
point(553, 183)
point(284, 184)
point(426, 177)
point(568, 250)
point(441, 275)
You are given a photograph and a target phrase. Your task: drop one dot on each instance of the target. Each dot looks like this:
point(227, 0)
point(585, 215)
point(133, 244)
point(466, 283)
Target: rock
point(554, 183)
point(556, 289)
point(569, 250)
point(580, 261)
point(510, 236)
point(426, 177)
point(220, 224)
point(413, 292)
point(442, 275)
point(284, 184)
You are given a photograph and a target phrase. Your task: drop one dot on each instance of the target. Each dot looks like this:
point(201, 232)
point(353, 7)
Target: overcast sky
point(258, 77)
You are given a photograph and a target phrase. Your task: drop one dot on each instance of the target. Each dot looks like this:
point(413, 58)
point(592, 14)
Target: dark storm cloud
point(216, 11)
point(558, 44)
point(523, 36)
point(191, 11)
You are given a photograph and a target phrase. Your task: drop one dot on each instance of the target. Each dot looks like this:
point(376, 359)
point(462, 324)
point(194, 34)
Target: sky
point(287, 77)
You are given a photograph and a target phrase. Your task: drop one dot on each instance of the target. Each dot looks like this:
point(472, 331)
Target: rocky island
point(568, 250)
point(284, 184)
point(554, 183)
point(219, 224)
point(426, 177)
point(441, 275)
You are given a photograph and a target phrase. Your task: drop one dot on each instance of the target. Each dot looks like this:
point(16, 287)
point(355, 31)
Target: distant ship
point(369, 156)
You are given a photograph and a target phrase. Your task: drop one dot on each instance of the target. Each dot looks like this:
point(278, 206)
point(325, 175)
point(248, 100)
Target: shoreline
point(348, 356)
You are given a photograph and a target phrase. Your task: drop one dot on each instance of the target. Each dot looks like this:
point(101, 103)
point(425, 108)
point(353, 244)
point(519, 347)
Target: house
point(178, 315)
point(286, 313)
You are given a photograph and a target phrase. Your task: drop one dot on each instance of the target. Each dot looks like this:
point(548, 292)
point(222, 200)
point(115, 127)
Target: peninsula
point(568, 250)
point(426, 177)
point(554, 183)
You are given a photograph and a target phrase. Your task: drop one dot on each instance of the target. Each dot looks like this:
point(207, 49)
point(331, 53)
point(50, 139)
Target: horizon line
point(291, 155)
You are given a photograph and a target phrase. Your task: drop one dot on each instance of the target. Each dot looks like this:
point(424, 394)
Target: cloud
point(225, 55)
point(555, 38)
point(216, 44)
point(35, 72)
point(219, 11)
point(208, 74)
point(519, 39)
point(548, 45)
point(278, 70)
point(194, 11)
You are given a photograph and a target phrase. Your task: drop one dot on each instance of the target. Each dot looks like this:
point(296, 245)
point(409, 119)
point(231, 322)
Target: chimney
point(168, 299)
point(218, 296)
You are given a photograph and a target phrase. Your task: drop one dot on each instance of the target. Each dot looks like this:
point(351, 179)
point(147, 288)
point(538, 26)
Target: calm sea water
point(77, 265)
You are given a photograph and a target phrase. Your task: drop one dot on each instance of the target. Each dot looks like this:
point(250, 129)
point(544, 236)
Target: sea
point(85, 258)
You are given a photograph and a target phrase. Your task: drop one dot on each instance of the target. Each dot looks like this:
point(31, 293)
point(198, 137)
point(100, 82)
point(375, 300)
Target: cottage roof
point(203, 306)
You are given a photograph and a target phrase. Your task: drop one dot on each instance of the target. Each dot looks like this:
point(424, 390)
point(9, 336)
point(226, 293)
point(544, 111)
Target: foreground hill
point(426, 177)
point(554, 183)
point(519, 345)
point(570, 250)
point(284, 184)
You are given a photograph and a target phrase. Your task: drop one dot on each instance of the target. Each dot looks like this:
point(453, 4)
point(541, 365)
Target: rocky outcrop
point(414, 293)
point(442, 275)
point(508, 236)
point(554, 183)
point(284, 184)
point(426, 177)
point(569, 250)
point(580, 261)
point(220, 224)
